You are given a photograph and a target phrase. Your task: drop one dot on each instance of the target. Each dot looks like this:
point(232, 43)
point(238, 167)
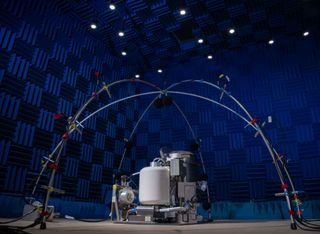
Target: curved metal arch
point(106, 88)
point(216, 87)
point(168, 90)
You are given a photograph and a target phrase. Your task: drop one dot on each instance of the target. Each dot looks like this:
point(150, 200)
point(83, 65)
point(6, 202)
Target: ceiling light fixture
point(159, 70)
point(93, 26)
point(121, 34)
point(232, 30)
point(209, 56)
point(112, 7)
point(305, 33)
point(271, 42)
point(124, 53)
point(137, 76)
point(200, 40)
point(182, 12)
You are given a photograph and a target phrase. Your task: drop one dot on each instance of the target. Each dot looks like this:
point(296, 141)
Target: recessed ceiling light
point(200, 40)
point(209, 56)
point(121, 34)
point(112, 7)
point(159, 70)
point(305, 33)
point(93, 26)
point(271, 42)
point(232, 30)
point(182, 12)
point(137, 76)
point(124, 53)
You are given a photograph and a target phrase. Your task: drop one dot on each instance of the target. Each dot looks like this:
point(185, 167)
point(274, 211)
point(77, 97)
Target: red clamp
point(53, 166)
point(44, 214)
point(133, 80)
point(253, 121)
point(284, 186)
point(291, 212)
point(94, 94)
point(65, 136)
point(57, 116)
point(97, 74)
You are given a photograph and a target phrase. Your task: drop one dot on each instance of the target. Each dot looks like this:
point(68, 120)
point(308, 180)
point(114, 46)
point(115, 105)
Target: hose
point(19, 218)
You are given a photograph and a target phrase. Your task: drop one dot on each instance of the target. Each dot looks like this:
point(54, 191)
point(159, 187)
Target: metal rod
point(214, 86)
point(50, 185)
point(215, 102)
point(134, 129)
point(77, 115)
point(117, 101)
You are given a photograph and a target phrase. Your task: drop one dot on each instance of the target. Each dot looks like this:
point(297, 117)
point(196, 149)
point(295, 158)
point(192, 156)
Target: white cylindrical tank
point(154, 186)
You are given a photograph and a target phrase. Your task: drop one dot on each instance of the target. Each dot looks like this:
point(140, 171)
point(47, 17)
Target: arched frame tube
point(159, 92)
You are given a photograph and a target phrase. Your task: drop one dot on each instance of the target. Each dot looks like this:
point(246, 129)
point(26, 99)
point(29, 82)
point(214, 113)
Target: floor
point(62, 226)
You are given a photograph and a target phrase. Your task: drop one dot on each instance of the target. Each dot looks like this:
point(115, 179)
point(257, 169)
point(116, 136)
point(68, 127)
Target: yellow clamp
point(72, 126)
point(50, 189)
point(279, 157)
point(115, 187)
point(106, 88)
point(221, 75)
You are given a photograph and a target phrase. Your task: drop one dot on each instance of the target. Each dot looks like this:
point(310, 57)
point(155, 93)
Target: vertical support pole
point(44, 213)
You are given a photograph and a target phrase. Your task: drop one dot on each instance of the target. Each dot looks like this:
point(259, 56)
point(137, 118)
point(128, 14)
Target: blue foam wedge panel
point(47, 65)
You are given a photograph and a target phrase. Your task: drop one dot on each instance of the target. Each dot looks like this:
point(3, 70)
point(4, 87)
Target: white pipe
point(173, 209)
point(119, 100)
point(215, 102)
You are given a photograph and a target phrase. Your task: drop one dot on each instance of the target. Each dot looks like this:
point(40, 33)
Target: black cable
point(91, 221)
point(310, 222)
point(317, 226)
point(11, 230)
point(306, 225)
point(304, 229)
point(17, 229)
point(19, 218)
point(313, 220)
